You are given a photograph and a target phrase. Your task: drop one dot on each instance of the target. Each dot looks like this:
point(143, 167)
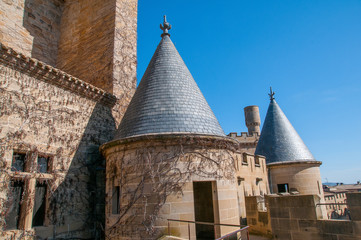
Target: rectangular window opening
point(116, 200)
point(244, 159)
point(43, 164)
point(283, 188)
point(256, 161)
point(18, 163)
point(39, 204)
point(12, 216)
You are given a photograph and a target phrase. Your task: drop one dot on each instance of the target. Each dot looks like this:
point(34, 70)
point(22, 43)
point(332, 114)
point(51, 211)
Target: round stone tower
point(170, 158)
point(253, 120)
point(291, 166)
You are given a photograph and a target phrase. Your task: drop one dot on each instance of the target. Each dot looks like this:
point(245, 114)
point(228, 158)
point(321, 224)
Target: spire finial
point(165, 27)
point(271, 94)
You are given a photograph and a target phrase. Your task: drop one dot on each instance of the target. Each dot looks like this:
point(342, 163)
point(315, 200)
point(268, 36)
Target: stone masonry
point(32, 30)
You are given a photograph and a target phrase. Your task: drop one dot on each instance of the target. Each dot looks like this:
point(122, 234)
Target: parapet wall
point(247, 142)
point(300, 217)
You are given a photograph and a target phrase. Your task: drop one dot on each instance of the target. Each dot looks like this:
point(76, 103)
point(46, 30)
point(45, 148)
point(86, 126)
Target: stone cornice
point(41, 71)
point(300, 162)
point(200, 140)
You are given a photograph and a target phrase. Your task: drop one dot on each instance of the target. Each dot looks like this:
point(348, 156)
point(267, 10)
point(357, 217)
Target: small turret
point(253, 120)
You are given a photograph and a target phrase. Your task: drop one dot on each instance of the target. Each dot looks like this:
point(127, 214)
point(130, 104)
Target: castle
point(87, 155)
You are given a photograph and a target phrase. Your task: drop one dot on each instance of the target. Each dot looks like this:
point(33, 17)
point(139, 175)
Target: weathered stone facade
point(252, 179)
point(67, 124)
point(61, 117)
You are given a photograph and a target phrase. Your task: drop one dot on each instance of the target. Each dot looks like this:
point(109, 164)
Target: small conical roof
point(168, 99)
point(279, 142)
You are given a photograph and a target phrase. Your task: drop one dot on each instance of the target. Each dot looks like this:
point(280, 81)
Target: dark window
point(43, 163)
point(115, 200)
point(282, 188)
point(14, 203)
point(256, 161)
point(244, 159)
point(39, 204)
point(18, 162)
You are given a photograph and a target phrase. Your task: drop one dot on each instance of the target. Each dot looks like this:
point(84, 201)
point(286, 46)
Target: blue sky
point(308, 51)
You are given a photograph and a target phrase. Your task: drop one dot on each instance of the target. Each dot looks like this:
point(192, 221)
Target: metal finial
point(271, 94)
point(165, 27)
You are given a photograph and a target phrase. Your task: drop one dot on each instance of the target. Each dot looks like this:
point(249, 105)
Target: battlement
point(44, 72)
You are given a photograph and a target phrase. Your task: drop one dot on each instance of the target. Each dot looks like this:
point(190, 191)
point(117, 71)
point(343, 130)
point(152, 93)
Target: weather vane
point(165, 27)
point(271, 94)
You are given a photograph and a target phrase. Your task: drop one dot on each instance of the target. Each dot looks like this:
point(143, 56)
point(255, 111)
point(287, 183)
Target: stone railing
point(47, 73)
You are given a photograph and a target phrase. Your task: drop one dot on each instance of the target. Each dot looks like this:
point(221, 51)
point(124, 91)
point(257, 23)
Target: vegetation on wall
point(147, 175)
point(37, 117)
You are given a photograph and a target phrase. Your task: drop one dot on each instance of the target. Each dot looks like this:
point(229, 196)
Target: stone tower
point(170, 158)
point(291, 166)
point(68, 72)
point(253, 120)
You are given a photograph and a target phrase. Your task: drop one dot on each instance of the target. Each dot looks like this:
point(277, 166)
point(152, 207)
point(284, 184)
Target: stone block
point(282, 235)
point(275, 223)
point(355, 212)
point(353, 199)
point(346, 237)
point(305, 224)
point(335, 226)
point(306, 235)
point(356, 226)
point(279, 212)
point(308, 213)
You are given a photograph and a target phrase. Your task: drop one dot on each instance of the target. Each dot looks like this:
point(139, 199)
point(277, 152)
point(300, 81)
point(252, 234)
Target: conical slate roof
point(279, 141)
point(168, 99)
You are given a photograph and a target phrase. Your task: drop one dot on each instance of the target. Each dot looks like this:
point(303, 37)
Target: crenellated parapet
point(246, 140)
point(41, 71)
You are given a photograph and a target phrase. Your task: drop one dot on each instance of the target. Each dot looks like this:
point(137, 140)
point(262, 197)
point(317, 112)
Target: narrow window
point(283, 188)
point(39, 204)
point(256, 161)
point(18, 162)
point(115, 200)
point(13, 212)
point(43, 163)
point(244, 159)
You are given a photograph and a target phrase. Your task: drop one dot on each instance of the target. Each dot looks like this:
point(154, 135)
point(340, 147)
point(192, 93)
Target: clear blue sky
point(308, 51)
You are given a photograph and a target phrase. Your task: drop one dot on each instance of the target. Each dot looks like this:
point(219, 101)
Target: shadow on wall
point(42, 20)
point(77, 206)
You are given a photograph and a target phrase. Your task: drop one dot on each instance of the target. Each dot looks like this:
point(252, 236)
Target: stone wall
point(301, 177)
point(246, 141)
point(300, 217)
point(98, 43)
point(32, 27)
point(95, 41)
point(155, 174)
point(257, 216)
point(45, 112)
point(252, 179)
